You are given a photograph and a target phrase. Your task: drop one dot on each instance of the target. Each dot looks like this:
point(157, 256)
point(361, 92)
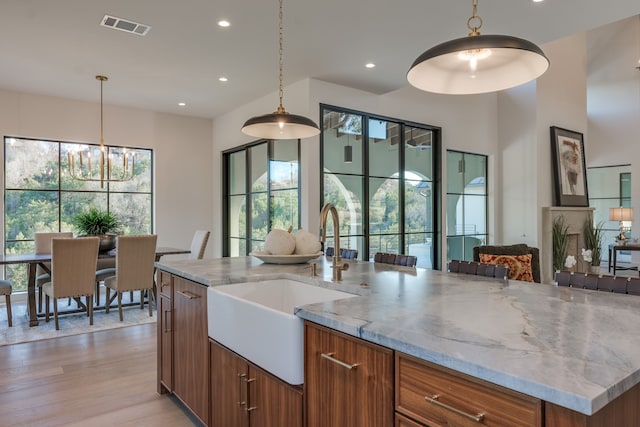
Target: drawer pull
point(434, 399)
point(188, 295)
point(338, 362)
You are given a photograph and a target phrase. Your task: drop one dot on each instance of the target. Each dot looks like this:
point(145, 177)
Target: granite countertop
point(576, 348)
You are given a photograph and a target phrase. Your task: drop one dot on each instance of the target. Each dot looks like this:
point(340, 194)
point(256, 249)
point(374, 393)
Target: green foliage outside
point(40, 198)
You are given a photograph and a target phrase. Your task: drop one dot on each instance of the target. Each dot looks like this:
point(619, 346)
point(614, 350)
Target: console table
point(613, 249)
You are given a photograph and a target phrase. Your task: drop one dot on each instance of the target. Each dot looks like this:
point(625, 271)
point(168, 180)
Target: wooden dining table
point(35, 260)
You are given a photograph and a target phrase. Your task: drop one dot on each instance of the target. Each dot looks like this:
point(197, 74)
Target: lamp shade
point(620, 214)
point(280, 126)
point(477, 64)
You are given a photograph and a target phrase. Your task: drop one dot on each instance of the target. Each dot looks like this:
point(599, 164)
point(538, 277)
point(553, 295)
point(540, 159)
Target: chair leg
point(130, 296)
point(8, 302)
point(46, 309)
point(97, 292)
point(39, 299)
point(90, 308)
point(149, 302)
point(120, 305)
point(107, 301)
point(55, 313)
point(141, 299)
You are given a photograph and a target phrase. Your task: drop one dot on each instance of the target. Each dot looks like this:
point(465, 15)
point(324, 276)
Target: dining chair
point(135, 264)
point(405, 260)
point(199, 244)
point(633, 286)
point(469, 267)
point(43, 247)
point(489, 270)
point(73, 266)
point(501, 272)
point(348, 253)
point(591, 281)
point(577, 280)
point(6, 289)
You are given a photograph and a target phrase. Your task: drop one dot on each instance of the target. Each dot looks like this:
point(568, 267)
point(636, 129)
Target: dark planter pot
point(107, 241)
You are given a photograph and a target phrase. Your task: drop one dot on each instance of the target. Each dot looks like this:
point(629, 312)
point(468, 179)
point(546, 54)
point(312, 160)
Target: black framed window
point(261, 192)
point(467, 202)
point(40, 195)
point(383, 176)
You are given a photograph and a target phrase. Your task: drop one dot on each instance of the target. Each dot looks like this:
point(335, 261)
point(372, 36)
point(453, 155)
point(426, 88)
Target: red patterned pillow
point(519, 265)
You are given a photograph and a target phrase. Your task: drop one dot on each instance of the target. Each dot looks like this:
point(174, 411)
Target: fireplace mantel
point(574, 218)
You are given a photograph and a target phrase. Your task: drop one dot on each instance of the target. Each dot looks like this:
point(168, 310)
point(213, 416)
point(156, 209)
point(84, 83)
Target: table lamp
point(624, 216)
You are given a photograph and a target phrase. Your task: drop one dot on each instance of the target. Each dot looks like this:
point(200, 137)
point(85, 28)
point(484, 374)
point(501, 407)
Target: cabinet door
point(348, 382)
point(165, 345)
point(229, 376)
point(191, 348)
point(272, 402)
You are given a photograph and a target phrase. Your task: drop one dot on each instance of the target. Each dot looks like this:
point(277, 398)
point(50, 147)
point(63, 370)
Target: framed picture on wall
point(569, 169)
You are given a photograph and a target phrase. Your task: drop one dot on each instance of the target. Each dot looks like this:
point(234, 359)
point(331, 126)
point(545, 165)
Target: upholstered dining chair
point(6, 289)
point(199, 244)
point(43, 247)
point(73, 266)
point(135, 259)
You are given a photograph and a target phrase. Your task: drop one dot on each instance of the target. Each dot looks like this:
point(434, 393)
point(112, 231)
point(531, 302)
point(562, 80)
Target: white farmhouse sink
point(256, 320)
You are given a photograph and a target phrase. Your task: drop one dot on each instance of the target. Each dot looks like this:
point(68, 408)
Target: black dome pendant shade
point(477, 63)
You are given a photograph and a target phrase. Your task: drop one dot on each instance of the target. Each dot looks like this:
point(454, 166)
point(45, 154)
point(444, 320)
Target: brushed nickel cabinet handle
point(246, 384)
point(338, 362)
point(434, 399)
point(188, 294)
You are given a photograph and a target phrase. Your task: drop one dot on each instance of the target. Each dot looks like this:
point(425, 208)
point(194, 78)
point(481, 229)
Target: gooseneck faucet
point(338, 265)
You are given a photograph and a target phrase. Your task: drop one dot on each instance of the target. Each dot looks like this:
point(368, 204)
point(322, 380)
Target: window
point(40, 195)
point(610, 187)
point(261, 192)
point(380, 173)
point(466, 204)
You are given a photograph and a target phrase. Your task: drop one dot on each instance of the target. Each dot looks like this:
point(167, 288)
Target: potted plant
point(560, 234)
point(593, 241)
point(98, 222)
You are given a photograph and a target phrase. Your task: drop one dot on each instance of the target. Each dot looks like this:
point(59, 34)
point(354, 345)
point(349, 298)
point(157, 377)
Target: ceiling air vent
point(125, 25)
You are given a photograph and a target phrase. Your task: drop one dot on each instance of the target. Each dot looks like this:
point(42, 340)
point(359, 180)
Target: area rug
point(70, 324)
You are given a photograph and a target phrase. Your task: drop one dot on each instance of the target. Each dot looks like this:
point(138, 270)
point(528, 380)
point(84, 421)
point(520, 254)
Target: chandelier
point(101, 163)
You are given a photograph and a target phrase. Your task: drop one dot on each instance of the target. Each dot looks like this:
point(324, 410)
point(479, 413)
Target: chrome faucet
point(338, 265)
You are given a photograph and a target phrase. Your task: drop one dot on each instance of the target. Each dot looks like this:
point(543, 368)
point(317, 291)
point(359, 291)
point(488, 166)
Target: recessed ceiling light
point(223, 79)
point(182, 104)
point(224, 23)
point(537, 1)
point(370, 65)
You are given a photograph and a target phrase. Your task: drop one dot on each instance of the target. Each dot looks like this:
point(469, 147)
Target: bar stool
point(6, 289)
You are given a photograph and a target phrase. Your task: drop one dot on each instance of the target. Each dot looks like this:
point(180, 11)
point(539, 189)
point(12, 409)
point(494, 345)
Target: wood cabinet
point(348, 381)
point(164, 330)
point(438, 396)
point(243, 395)
point(183, 351)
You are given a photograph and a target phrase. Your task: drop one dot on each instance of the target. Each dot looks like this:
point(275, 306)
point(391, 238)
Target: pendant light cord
point(280, 54)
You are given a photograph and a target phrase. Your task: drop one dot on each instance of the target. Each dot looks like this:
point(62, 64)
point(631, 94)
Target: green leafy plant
point(560, 235)
point(593, 239)
point(96, 222)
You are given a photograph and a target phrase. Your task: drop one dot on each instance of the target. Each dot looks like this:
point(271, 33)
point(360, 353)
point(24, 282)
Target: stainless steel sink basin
point(257, 321)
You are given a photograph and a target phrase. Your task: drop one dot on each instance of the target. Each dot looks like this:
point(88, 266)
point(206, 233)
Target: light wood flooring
point(105, 378)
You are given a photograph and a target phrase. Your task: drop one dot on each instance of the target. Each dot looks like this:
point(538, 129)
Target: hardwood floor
point(98, 379)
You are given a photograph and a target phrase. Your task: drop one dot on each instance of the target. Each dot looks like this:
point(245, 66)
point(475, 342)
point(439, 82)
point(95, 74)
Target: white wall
point(182, 149)
point(526, 113)
point(468, 122)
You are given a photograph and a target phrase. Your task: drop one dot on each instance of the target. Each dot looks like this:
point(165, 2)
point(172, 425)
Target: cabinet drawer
point(402, 421)
point(438, 396)
point(165, 284)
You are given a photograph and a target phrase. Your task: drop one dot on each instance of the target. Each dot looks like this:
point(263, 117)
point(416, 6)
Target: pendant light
point(348, 152)
point(477, 63)
point(106, 168)
point(280, 124)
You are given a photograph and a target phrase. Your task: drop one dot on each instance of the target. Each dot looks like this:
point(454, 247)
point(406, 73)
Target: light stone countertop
point(576, 348)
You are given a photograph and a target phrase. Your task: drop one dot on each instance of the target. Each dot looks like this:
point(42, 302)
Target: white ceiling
point(56, 47)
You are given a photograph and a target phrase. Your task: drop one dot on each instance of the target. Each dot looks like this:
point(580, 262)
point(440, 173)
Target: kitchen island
point(571, 348)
